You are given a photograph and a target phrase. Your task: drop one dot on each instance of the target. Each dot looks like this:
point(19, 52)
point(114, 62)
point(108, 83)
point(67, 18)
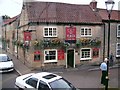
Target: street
point(91, 79)
point(80, 79)
point(8, 79)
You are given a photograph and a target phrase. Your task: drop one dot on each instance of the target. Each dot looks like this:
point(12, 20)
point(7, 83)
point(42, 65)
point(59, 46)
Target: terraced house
point(62, 34)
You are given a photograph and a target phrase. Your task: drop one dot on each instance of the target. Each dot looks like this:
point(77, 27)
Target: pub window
point(86, 32)
point(85, 54)
point(50, 55)
point(118, 30)
point(118, 50)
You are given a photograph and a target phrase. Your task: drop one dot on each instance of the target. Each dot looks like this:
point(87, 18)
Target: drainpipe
point(17, 40)
point(5, 39)
point(104, 42)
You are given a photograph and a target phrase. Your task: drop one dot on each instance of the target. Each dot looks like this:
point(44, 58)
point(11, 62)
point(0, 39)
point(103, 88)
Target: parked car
point(6, 64)
point(43, 80)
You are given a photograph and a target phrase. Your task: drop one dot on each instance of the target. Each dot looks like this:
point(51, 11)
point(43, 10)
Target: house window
point(118, 50)
point(50, 32)
point(86, 32)
point(50, 55)
point(85, 54)
point(118, 30)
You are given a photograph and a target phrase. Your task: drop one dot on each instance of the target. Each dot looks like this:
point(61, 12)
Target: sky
point(13, 7)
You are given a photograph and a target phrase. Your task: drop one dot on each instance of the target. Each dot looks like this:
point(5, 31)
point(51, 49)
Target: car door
point(31, 83)
point(43, 86)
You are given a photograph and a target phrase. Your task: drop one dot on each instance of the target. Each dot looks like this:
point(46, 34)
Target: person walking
point(103, 68)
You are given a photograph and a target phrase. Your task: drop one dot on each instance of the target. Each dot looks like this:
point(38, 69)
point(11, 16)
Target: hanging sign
point(70, 33)
point(27, 36)
point(37, 55)
point(60, 54)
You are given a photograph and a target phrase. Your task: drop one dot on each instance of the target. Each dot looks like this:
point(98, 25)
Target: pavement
point(24, 68)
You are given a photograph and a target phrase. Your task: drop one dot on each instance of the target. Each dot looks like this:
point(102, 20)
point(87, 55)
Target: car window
point(43, 86)
point(4, 58)
point(61, 84)
point(32, 82)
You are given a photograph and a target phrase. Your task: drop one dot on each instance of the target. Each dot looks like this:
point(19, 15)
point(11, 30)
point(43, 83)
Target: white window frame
point(118, 35)
point(84, 28)
point(47, 61)
point(117, 49)
point(48, 27)
point(85, 58)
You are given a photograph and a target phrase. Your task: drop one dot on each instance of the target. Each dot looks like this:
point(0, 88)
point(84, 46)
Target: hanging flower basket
point(90, 42)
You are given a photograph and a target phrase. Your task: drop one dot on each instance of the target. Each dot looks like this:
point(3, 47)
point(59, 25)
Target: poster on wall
point(61, 54)
point(95, 52)
point(70, 34)
point(37, 55)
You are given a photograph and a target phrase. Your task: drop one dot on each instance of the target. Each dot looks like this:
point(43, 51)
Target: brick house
point(60, 34)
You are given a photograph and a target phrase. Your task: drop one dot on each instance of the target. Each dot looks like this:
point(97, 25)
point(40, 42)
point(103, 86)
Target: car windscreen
point(4, 58)
point(61, 84)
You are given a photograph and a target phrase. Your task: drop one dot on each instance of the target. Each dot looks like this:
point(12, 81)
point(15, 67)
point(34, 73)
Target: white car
point(43, 81)
point(6, 64)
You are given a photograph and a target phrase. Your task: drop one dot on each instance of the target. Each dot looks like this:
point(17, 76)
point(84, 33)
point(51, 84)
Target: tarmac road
point(8, 80)
point(79, 78)
point(90, 79)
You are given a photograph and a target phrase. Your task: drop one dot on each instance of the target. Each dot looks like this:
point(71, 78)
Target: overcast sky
point(13, 7)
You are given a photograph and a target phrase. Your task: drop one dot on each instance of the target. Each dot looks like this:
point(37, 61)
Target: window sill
point(85, 59)
point(49, 61)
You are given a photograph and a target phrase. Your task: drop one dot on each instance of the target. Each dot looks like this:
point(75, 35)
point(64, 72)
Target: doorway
point(70, 58)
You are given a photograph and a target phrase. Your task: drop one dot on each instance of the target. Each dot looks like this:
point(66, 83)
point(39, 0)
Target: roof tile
point(61, 12)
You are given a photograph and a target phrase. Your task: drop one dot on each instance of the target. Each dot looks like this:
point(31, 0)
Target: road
point(8, 79)
point(80, 79)
point(90, 79)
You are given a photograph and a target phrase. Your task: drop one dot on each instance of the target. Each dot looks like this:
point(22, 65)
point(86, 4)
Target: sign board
point(61, 54)
point(27, 36)
point(70, 33)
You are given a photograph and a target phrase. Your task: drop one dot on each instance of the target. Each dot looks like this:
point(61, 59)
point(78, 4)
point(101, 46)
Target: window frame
point(46, 61)
point(84, 30)
point(48, 31)
point(89, 58)
point(118, 30)
point(117, 49)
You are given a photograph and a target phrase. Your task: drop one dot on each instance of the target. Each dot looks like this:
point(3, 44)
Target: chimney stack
point(93, 5)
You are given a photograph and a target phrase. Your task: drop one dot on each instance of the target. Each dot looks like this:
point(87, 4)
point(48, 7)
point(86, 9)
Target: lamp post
point(109, 7)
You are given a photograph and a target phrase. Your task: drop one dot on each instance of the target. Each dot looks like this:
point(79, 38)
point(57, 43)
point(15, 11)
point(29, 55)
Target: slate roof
point(61, 13)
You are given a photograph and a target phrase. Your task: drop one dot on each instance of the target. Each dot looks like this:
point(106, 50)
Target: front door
point(70, 58)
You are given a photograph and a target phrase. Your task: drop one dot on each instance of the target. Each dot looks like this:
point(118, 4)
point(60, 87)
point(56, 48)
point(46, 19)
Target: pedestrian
point(111, 59)
point(103, 68)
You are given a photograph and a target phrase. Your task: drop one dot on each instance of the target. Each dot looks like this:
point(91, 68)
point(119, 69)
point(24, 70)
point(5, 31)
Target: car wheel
point(20, 89)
